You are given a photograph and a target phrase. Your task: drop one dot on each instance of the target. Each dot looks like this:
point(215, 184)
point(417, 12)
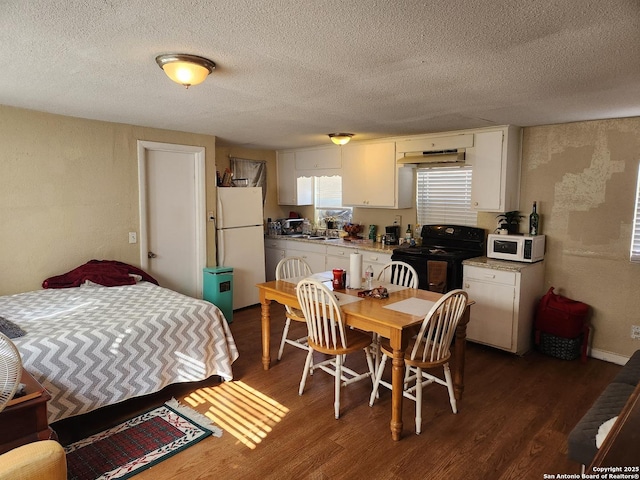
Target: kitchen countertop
point(504, 265)
point(363, 244)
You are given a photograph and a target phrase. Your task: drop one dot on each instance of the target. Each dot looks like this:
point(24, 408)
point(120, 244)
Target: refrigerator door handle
point(220, 249)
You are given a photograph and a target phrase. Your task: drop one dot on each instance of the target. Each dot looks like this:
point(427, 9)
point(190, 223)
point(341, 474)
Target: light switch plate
point(133, 237)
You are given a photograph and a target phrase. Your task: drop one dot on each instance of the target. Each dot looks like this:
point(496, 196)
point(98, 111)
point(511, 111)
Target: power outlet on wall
point(635, 332)
point(398, 219)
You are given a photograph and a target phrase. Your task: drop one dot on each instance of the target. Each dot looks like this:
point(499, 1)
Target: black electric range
point(446, 243)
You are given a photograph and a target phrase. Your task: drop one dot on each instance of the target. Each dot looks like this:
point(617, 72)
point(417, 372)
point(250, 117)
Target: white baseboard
point(608, 356)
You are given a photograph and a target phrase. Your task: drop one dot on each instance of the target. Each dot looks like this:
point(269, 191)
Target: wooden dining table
point(392, 318)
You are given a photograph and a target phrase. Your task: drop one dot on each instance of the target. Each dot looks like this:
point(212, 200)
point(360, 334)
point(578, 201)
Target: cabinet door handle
point(489, 276)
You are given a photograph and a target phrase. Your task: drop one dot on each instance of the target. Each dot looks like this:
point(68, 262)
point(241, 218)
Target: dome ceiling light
point(185, 69)
point(340, 138)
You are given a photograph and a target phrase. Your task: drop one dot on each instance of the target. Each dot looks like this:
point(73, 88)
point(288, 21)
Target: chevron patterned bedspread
point(93, 346)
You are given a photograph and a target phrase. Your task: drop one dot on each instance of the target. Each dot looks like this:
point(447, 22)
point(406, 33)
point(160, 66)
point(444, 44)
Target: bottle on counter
point(408, 235)
point(368, 277)
point(534, 221)
point(417, 234)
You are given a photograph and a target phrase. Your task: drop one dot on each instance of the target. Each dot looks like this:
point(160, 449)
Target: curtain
point(253, 170)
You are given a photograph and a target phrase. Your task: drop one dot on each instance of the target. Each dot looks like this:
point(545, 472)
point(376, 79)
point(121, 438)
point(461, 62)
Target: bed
point(93, 345)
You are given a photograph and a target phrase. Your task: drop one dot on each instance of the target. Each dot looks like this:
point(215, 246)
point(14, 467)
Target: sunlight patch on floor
point(240, 410)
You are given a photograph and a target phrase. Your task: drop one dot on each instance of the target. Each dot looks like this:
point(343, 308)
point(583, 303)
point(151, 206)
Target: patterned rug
point(137, 444)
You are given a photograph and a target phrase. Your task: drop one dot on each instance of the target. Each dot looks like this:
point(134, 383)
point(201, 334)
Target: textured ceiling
point(289, 72)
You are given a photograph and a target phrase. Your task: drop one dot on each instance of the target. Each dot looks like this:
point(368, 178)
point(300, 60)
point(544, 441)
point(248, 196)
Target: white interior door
point(172, 219)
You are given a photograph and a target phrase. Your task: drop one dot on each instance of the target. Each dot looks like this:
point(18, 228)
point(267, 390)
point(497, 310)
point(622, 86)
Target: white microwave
point(519, 248)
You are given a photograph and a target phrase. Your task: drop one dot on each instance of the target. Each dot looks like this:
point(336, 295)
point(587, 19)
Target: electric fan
point(10, 370)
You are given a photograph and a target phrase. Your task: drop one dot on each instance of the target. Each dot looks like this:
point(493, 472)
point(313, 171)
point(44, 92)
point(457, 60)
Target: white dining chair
point(396, 273)
point(329, 335)
point(292, 267)
point(399, 273)
point(430, 349)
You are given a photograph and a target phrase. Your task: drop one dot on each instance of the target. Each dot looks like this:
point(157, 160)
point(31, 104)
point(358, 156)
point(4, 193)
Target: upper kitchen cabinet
point(319, 161)
point(292, 189)
point(370, 177)
point(495, 157)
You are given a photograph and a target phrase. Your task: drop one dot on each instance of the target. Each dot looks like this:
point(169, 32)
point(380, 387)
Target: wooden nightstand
point(26, 421)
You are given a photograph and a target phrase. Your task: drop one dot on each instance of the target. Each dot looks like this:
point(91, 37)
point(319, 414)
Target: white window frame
point(634, 255)
point(334, 210)
point(445, 200)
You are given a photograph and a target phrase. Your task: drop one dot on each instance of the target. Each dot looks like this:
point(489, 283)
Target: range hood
point(433, 157)
point(447, 150)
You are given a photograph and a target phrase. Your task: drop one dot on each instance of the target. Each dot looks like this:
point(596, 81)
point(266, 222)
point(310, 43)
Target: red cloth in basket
point(560, 316)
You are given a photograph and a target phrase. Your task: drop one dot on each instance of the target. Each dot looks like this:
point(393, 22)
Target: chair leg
point(370, 364)
point(452, 397)
point(307, 366)
point(376, 346)
point(376, 382)
point(418, 401)
point(338, 381)
point(285, 333)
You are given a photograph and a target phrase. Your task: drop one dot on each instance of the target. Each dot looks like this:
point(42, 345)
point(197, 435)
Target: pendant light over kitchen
point(185, 69)
point(340, 138)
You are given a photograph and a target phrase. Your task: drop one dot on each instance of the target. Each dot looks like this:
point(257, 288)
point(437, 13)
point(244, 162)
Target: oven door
point(419, 263)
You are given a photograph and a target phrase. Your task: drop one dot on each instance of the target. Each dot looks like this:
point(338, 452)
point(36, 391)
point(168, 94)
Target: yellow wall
point(583, 176)
point(69, 193)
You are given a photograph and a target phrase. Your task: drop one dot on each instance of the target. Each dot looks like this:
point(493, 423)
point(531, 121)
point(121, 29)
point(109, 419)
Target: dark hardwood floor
point(512, 421)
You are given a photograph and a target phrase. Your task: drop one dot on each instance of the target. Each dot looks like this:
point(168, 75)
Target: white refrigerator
point(240, 240)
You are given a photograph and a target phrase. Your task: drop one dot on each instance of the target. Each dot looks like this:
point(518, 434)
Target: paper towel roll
point(355, 270)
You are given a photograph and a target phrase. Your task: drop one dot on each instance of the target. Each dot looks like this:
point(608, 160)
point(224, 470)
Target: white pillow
point(603, 431)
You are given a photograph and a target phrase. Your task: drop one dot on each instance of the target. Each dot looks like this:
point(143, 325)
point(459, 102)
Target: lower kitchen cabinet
point(338, 257)
point(376, 260)
point(506, 295)
point(321, 256)
point(313, 254)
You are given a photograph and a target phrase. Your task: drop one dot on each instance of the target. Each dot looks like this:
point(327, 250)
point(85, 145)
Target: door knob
point(151, 255)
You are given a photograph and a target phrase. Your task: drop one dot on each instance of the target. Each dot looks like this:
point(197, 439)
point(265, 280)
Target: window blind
point(635, 238)
point(328, 192)
point(444, 196)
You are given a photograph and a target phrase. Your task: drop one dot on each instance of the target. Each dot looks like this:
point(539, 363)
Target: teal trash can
point(217, 288)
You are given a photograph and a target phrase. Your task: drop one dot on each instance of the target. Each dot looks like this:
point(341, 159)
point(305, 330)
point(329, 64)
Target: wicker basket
point(560, 347)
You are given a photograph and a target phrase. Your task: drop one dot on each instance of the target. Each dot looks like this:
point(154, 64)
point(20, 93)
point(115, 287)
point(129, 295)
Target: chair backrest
point(399, 273)
point(322, 313)
point(292, 267)
point(439, 326)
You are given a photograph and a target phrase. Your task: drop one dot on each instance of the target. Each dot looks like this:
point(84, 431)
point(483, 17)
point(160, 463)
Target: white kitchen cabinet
point(274, 251)
point(370, 177)
point(321, 256)
point(311, 160)
point(376, 260)
point(338, 257)
point(505, 296)
point(292, 189)
point(312, 253)
point(495, 157)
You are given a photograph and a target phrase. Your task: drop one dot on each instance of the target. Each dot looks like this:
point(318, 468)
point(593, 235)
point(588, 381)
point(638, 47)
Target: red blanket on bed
point(109, 273)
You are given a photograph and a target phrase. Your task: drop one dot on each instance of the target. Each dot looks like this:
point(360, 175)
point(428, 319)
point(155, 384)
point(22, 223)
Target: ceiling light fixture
point(340, 138)
point(185, 69)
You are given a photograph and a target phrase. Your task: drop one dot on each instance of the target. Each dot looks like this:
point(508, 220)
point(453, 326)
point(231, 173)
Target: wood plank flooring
point(512, 421)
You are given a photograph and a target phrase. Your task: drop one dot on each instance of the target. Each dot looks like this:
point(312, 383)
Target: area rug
point(137, 444)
